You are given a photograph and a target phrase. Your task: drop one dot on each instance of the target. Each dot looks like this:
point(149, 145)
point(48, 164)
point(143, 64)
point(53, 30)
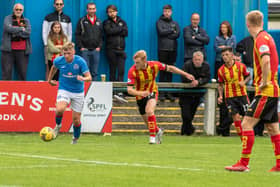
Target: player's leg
point(273, 130)
point(264, 108)
point(77, 102)
point(237, 124)
point(60, 108)
point(76, 116)
point(152, 125)
point(241, 106)
point(248, 138)
point(62, 102)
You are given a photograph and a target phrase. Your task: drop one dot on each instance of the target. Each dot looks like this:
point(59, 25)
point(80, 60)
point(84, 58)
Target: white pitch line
point(99, 162)
point(32, 166)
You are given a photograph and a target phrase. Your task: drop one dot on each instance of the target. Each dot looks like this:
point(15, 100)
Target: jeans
point(92, 59)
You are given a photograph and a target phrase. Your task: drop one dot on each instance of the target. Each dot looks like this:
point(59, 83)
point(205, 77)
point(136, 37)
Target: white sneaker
point(159, 135)
point(120, 99)
point(74, 140)
point(56, 130)
point(152, 140)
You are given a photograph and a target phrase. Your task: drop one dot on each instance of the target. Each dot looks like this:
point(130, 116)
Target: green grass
point(128, 160)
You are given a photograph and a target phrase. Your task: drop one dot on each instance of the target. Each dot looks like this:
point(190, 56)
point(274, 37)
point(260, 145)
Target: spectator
point(195, 38)
point(245, 48)
point(56, 40)
point(89, 39)
point(16, 45)
point(66, 24)
point(168, 31)
point(225, 39)
point(189, 102)
point(115, 30)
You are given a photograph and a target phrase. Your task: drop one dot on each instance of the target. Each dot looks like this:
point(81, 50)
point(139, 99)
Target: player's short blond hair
point(68, 46)
point(140, 54)
point(255, 18)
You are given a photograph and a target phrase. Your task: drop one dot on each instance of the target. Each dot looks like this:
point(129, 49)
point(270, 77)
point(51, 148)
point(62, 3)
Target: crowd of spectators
point(57, 30)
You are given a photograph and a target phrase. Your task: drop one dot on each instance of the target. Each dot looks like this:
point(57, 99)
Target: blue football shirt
point(68, 72)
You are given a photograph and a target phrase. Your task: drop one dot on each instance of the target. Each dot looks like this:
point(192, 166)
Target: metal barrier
point(210, 103)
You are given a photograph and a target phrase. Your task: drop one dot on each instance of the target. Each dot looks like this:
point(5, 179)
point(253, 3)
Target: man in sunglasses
point(16, 45)
point(65, 21)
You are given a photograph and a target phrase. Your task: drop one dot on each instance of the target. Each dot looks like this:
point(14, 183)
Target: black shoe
point(190, 131)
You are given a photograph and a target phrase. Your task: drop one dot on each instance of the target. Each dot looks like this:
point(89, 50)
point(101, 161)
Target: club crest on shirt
point(76, 66)
point(264, 48)
point(128, 80)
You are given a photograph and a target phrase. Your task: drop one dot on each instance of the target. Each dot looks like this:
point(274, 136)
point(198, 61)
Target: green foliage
point(128, 160)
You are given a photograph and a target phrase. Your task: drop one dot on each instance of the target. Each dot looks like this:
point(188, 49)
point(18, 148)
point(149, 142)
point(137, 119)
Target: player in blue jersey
point(73, 71)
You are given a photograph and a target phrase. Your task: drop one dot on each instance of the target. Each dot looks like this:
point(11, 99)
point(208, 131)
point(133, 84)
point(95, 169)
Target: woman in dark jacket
point(225, 39)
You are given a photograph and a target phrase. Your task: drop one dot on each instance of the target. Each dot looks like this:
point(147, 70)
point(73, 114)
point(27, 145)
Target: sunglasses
point(58, 4)
point(17, 9)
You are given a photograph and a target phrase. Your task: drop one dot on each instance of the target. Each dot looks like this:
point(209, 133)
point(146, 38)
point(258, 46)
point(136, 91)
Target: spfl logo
point(94, 107)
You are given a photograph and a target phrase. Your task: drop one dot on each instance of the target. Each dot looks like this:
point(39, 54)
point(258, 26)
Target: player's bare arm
point(220, 91)
point(51, 74)
point(176, 70)
point(132, 91)
point(245, 81)
point(265, 70)
point(87, 77)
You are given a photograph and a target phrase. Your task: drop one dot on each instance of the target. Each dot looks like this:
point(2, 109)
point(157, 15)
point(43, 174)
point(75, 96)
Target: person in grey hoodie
point(16, 45)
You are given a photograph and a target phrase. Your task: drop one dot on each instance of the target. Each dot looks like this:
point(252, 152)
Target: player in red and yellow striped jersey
point(233, 76)
point(264, 104)
point(142, 84)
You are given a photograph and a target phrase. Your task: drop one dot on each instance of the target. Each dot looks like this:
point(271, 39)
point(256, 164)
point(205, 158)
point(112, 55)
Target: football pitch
point(128, 160)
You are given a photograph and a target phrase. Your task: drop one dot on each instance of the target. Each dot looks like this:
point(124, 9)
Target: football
point(47, 134)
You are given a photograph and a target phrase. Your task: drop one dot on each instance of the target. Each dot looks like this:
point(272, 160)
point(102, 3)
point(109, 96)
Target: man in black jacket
point(115, 30)
point(195, 38)
point(168, 31)
point(189, 102)
point(89, 37)
point(245, 47)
